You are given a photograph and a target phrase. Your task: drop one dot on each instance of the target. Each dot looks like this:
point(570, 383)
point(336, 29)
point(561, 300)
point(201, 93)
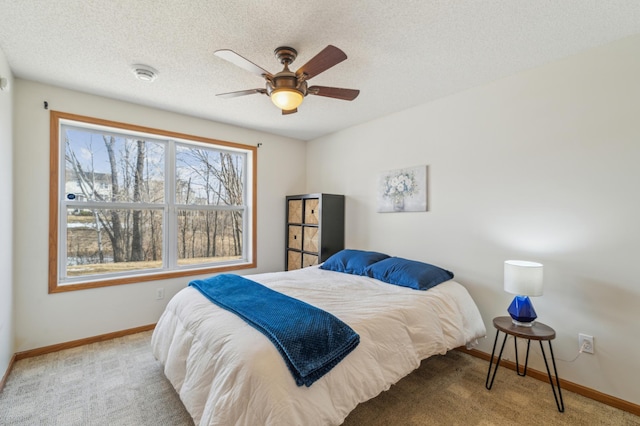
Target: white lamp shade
point(523, 278)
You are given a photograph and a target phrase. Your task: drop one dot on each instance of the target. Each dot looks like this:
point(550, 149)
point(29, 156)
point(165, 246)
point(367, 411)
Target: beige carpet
point(118, 382)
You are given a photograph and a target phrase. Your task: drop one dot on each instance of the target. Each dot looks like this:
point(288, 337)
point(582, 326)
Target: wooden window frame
point(56, 117)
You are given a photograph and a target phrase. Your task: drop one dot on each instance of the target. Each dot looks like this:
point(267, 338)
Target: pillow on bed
point(408, 273)
point(352, 261)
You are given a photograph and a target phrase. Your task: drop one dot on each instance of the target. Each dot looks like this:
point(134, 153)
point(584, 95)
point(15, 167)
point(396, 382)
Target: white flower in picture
point(400, 185)
point(403, 190)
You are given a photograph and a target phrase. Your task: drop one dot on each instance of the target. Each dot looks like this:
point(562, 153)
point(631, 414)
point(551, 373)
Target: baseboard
point(572, 387)
point(6, 374)
point(75, 343)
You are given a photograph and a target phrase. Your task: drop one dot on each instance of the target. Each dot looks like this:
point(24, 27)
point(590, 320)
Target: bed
point(228, 373)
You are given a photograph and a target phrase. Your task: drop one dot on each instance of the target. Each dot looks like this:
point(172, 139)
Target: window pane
point(102, 241)
point(101, 166)
point(207, 176)
point(209, 236)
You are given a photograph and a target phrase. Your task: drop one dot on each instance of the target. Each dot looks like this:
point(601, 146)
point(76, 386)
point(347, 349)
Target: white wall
point(541, 166)
point(43, 319)
point(6, 218)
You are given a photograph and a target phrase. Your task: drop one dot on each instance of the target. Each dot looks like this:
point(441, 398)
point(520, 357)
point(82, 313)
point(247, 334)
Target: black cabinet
point(314, 229)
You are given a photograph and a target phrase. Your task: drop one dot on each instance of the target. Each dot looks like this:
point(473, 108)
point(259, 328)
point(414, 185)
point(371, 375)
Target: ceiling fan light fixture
point(286, 99)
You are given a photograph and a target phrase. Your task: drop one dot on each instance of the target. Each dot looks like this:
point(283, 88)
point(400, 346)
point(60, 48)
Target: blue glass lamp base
point(522, 312)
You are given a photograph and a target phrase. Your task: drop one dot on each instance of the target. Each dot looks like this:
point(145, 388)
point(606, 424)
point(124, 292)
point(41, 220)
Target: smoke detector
point(144, 72)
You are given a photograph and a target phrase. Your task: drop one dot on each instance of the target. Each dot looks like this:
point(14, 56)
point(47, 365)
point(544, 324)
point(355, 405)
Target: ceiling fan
point(287, 89)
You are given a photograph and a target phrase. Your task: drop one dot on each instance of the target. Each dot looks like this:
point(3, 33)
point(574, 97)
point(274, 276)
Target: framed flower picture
point(402, 190)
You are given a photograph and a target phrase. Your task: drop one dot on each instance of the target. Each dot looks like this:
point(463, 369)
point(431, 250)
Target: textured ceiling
point(400, 53)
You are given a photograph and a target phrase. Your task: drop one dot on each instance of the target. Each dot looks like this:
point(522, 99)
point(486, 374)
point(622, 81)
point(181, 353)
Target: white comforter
point(228, 373)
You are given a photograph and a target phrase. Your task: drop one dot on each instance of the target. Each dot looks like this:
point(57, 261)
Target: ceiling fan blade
point(334, 92)
point(241, 93)
point(290, 111)
point(328, 57)
point(242, 62)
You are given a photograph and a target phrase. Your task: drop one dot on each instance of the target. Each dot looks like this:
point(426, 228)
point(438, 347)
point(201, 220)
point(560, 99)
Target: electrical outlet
point(159, 293)
point(585, 343)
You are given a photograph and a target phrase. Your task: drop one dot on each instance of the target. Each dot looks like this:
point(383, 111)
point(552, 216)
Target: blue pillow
point(352, 261)
point(408, 273)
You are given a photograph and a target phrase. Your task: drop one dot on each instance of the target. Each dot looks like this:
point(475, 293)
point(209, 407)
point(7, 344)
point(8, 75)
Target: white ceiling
point(400, 53)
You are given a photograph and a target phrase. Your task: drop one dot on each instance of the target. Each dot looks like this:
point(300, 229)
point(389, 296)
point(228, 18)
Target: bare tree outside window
point(208, 177)
point(103, 170)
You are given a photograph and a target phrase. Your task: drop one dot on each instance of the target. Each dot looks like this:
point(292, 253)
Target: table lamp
point(523, 279)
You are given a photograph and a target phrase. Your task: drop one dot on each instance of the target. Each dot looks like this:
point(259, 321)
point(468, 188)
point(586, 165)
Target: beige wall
point(541, 166)
point(43, 319)
point(6, 218)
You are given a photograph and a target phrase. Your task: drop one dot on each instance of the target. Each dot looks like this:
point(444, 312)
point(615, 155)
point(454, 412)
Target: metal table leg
point(526, 361)
point(559, 401)
point(487, 384)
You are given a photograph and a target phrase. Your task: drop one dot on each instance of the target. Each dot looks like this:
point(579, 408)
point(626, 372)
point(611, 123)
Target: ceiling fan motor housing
point(286, 79)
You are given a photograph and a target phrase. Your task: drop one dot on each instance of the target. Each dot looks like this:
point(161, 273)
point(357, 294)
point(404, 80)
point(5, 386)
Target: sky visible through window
point(198, 167)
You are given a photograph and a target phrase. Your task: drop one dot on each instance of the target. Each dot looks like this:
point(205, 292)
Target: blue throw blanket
point(310, 340)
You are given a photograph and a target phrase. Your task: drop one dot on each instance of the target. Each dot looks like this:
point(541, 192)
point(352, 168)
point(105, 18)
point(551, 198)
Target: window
point(131, 204)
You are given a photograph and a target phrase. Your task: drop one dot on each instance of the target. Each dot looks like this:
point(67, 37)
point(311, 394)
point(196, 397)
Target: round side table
point(539, 332)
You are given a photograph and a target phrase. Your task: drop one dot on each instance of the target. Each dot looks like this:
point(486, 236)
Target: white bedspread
point(228, 373)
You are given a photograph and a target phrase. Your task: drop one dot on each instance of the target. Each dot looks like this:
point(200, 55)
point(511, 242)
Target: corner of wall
point(6, 218)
